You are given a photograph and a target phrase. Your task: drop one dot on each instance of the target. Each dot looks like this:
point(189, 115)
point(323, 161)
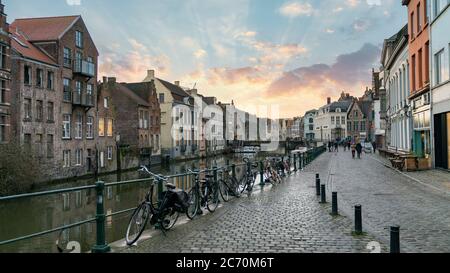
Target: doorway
point(442, 135)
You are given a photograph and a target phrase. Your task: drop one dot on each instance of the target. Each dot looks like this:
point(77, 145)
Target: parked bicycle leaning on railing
point(164, 211)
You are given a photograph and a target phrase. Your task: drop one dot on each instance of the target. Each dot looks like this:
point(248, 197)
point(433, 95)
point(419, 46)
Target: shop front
point(421, 141)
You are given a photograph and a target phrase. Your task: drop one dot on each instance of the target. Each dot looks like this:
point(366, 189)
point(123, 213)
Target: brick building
point(5, 79)
point(358, 120)
point(35, 99)
point(419, 67)
point(147, 92)
point(132, 123)
point(106, 141)
point(67, 42)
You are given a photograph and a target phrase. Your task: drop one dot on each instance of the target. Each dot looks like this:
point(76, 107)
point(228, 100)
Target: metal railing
point(101, 246)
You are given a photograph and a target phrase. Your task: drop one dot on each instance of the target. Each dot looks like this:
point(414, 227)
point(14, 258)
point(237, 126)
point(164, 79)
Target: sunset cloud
point(294, 9)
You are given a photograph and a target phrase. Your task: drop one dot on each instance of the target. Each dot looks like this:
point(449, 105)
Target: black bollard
point(358, 220)
point(318, 186)
point(323, 194)
point(395, 239)
point(317, 176)
point(334, 210)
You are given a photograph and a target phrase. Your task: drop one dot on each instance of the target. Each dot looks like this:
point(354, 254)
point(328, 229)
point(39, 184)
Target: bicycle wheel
point(235, 187)
point(170, 218)
point(191, 212)
point(137, 223)
point(213, 197)
point(224, 190)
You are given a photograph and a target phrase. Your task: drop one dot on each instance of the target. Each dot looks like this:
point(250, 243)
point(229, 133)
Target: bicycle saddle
point(171, 186)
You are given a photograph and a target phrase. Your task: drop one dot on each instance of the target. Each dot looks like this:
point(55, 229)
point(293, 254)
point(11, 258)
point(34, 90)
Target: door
point(419, 139)
point(448, 140)
point(441, 144)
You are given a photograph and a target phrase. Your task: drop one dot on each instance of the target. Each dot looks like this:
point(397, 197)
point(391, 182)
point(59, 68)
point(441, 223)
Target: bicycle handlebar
point(157, 176)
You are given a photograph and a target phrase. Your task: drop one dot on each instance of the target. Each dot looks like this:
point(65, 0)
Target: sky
point(289, 55)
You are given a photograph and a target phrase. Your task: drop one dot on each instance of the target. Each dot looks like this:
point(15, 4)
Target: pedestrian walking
point(374, 145)
point(330, 145)
point(359, 149)
point(353, 147)
point(336, 146)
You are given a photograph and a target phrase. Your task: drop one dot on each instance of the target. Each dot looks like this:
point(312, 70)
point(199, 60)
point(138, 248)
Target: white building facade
point(331, 122)
point(308, 120)
point(440, 81)
point(396, 75)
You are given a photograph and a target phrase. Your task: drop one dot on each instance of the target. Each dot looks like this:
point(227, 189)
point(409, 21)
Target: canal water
point(31, 215)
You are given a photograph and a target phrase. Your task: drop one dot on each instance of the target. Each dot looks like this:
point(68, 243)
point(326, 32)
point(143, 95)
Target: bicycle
point(270, 174)
point(228, 185)
point(205, 193)
point(164, 213)
point(248, 180)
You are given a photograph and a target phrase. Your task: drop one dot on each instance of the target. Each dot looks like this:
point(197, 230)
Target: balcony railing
point(82, 99)
point(84, 68)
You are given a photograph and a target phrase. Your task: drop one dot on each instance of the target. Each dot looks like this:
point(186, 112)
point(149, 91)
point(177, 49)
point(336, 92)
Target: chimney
point(105, 79)
point(193, 92)
point(151, 74)
point(328, 100)
point(177, 83)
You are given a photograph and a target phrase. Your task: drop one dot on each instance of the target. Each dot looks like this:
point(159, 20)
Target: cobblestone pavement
point(391, 198)
point(285, 218)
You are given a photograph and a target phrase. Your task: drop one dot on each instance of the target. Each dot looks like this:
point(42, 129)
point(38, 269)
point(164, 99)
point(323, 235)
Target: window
point(78, 61)
point(311, 120)
point(89, 98)
point(39, 145)
point(90, 128)
point(67, 57)
point(110, 153)
point(110, 128)
point(66, 158)
point(420, 68)
point(39, 78)
point(161, 98)
point(106, 103)
point(50, 80)
point(27, 75)
point(355, 113)
point(332, 120)
point(343, 120)
point(79, 127)
point(2, 129)
point(79, 157)
point(419, 18)
point(356, 127)
point(412, 25)
point(79, 39)
point(439, 5)
point(438, 59)
point(338, 120)
point(50, 112)
point(363, 126)
point(39, 110)
point(27, 143)
point(413, 73)
point(27, 109)
point(145, 120)
point(78, 87)
point(67, 92)
point(101, 160)
point(3, 57)
point(101, 127)
point(3, 91)
point(427, 64)
point(349, 126)
point(50, 142)
point(141, 119)
point(66, 127)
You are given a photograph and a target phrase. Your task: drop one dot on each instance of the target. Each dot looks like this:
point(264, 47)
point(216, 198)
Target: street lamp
point(406, 110)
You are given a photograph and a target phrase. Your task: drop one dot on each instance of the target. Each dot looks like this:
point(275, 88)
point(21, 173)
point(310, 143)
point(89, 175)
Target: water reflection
point(27, 216)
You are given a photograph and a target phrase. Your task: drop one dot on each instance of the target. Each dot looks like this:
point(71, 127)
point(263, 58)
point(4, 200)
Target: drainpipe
point(430, 68)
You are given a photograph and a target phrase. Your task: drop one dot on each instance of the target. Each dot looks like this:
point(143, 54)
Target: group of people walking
point(354, 146)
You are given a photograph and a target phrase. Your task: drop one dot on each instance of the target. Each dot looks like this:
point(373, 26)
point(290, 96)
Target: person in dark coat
point(374, 145)
point(359, 149)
